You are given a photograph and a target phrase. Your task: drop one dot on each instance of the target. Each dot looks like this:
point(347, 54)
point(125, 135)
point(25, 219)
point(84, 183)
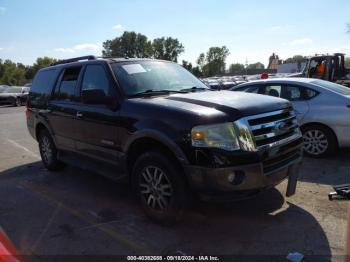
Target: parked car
point(13, 95)
point(3, 87)
point(212, 83)
point(156, 124)
point(323, 110)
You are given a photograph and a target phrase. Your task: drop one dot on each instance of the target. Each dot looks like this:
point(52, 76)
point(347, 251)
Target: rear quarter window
point(42, 87)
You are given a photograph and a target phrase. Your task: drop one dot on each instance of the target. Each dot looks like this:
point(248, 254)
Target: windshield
point(332, 87)
point(143, 76)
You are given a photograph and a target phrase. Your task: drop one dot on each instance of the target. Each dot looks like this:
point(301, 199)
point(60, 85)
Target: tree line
point(132, 44)
point(16, 74)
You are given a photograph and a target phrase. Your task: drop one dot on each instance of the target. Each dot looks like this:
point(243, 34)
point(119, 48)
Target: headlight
point(221, 136)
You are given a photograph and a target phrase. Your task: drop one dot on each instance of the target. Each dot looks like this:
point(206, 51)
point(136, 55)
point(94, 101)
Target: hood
point(233, 102)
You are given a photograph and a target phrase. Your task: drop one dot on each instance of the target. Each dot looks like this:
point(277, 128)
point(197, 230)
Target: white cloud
point(85, 47)
point(64, 50)
point(274, 28)
point(2, 10)
point(118, 27)
point(1, 48)
point(301, 41)
point(88, 47)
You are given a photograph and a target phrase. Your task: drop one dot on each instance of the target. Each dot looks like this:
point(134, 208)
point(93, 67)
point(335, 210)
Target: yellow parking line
point(104, 228)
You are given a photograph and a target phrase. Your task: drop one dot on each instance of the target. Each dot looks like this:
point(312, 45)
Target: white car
point(322, 107)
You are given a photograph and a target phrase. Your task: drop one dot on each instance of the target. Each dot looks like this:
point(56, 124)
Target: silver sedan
point(322, 107)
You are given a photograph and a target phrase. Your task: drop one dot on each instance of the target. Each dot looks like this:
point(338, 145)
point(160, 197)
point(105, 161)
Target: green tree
point(167, 48)
point(296, 58)
point(235, 68)
point(193, 69)
point(187, 65)
point(130, 44)
point(12, 73)
point(201, 61)
point(214, 61)
point(41, 62)
point(257, 65)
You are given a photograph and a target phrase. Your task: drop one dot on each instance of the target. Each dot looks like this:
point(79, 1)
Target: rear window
point(42, 87)
point(44, 81)
point(342, 90)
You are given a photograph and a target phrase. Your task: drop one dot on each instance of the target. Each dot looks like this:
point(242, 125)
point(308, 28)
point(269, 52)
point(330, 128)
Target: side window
point(249, 89)
point(68, 83)
point(95, 78)
point(273, 90)
point(292, 93)
point(309, 93)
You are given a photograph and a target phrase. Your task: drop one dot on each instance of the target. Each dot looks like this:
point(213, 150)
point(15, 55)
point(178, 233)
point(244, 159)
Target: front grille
point(274, 128)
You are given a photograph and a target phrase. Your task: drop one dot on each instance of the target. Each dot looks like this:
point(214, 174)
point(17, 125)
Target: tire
point(49, 152)
point(160, 187)
point(319, 141)
point(17, 101)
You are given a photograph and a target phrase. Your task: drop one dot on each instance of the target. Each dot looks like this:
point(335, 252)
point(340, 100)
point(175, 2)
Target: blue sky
point(251, 30)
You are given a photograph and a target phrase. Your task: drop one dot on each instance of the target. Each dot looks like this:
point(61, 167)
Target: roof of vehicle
point(281, 80)
point(89, 59)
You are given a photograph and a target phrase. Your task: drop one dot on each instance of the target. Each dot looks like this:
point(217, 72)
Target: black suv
point(155, 123)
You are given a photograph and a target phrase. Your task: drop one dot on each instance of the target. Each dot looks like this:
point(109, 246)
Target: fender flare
point(161, 138)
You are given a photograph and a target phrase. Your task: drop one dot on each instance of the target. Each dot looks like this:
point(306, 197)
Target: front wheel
point(319, 141)
point(160, 187)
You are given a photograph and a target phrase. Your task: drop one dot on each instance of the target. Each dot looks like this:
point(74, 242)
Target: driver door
point(97, 124)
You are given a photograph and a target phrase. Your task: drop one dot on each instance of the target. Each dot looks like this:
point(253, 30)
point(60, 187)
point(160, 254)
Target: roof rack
point(76, 59)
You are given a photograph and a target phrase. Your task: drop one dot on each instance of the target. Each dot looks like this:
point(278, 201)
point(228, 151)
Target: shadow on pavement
point(331, 170)
point(263, 225)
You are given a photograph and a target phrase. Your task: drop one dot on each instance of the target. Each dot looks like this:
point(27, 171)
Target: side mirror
point(96, 96)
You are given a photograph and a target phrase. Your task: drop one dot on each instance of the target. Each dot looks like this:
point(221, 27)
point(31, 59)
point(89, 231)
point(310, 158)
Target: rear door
point(63, 108)
point(292, 93)
point(295, 94)
point(97, 124)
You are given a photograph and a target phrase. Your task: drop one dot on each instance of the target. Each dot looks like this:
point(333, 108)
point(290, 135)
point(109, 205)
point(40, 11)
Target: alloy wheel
point(315, 142)
point(155, 188)
point(46, 150)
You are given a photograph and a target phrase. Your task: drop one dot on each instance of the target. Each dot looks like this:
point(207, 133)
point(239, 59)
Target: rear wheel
point(160, 187)
point(49, 152)
point(16, 101)
point(319, 141)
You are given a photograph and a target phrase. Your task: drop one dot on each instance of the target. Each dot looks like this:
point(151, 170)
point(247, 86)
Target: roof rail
point(76, 59)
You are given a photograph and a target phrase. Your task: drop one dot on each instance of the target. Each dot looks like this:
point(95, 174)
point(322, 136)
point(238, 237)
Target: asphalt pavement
point(75, 212)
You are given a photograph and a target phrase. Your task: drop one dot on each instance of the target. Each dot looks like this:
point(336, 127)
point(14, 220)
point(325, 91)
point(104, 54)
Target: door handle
point(79, 114)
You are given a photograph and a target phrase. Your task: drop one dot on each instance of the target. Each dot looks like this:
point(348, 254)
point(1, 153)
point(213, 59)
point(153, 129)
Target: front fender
point(159, 137)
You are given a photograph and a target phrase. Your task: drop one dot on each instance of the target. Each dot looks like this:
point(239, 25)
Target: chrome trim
point(281, 142)
point(244, 135)
point(273, 134)
point(278, 112)
point(247, 140)
point(272, 124)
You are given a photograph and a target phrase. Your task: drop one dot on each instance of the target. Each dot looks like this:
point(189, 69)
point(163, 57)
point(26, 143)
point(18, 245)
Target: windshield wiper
point(157, 92)
point(193, 89)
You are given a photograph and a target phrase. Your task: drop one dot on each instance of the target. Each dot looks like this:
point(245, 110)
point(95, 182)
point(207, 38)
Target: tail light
point(26, 111)
point(8, 252)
